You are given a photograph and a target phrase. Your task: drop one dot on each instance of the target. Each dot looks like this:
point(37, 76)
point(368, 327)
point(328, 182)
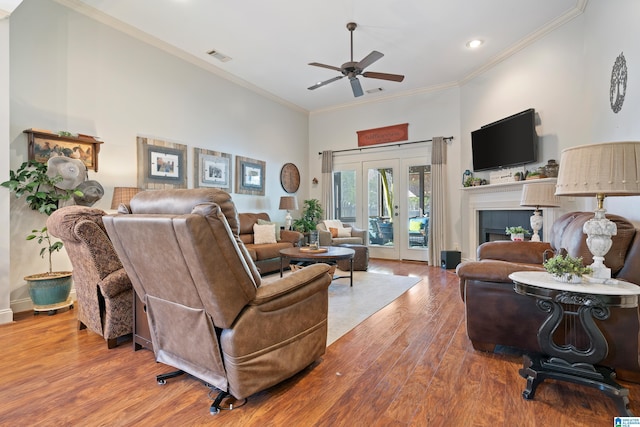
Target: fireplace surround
point(504, 199)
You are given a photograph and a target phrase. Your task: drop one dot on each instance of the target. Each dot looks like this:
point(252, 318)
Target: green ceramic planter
point(47, 291)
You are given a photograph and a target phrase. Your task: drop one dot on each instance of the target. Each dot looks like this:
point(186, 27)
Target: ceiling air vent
point(219, 56)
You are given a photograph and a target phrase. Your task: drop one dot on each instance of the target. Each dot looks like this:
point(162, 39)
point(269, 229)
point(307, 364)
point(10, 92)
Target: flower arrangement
point(566, 268)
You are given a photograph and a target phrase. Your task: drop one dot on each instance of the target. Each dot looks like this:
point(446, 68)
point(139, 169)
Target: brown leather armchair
point(210, 313)
point(103, 289)
point(496, 315)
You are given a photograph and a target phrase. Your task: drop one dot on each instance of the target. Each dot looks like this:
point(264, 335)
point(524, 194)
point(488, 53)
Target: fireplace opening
point(492, 224)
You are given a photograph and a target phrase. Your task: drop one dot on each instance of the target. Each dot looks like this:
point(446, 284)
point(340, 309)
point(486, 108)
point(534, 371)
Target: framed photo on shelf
point(161, 164)
point(250, 176)
point(211, 169)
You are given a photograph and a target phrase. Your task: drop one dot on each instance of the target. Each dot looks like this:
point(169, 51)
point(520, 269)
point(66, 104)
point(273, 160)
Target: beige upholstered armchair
point(210, 313)
point(332, 232)
point(103, 289)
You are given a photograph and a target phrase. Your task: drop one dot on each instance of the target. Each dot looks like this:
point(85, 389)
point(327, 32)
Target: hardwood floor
point(409, 364)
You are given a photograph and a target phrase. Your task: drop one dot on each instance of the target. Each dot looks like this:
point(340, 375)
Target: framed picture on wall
point(43, 145)
point(212, 169)
point(250, 176)
point(161, 164)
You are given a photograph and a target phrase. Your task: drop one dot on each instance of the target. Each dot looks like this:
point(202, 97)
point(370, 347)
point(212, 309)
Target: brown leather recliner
point(210, 313)
point(496, 315)
point(103, 289)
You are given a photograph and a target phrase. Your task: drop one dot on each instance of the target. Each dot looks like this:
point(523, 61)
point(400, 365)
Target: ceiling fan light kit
point(354, 69)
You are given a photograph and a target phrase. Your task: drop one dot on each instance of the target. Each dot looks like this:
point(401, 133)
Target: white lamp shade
point(539, 195)
point(610, 169)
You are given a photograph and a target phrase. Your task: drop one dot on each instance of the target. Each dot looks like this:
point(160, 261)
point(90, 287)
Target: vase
point(519, 237)
point(49, 293)
point(568, 278)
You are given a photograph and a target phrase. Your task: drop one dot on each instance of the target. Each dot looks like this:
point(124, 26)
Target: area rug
point(348, 306)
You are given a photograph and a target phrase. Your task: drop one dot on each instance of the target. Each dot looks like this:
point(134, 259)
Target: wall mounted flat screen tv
point(509, 142)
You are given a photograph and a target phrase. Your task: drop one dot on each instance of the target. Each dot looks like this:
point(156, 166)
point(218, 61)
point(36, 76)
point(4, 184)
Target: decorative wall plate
point(290, 178)
point(618, 87)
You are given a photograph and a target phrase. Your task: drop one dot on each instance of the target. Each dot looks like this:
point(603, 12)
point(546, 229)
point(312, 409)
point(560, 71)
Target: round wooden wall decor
point(290, 178)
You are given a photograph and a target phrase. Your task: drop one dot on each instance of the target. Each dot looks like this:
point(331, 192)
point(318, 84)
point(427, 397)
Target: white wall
point(69, 72)
point(6, 314)
point(612, 29)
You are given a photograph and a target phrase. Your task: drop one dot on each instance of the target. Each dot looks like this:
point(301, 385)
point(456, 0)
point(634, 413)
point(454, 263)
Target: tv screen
point(511, 141)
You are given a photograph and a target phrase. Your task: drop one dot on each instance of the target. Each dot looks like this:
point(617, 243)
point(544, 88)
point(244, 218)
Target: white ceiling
point(272, 42)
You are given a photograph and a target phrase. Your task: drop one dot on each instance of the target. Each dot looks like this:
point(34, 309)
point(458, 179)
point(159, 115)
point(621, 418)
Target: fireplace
point(491, 223)
point(500, 202)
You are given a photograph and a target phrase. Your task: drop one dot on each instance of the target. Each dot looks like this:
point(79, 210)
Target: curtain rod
point(446, 138)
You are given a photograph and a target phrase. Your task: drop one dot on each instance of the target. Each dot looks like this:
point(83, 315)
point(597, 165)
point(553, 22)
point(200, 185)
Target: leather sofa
point(266, 256)
point(497, 316)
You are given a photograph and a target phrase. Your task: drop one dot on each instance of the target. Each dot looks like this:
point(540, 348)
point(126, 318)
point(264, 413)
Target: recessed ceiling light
point(377, 89)
point(474, 43)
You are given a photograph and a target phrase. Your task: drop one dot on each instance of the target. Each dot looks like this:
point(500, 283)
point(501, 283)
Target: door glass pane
point(345, 195)
point(380, 206)
point(419, 182)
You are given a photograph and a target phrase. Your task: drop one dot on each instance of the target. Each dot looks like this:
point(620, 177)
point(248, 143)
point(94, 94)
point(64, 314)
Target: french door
point(390, 199)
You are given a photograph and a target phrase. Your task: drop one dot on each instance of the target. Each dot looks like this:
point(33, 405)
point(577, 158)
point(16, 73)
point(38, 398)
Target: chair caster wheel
point(162, 382)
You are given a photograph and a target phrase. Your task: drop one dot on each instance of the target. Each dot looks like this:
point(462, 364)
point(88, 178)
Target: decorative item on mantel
point(539, 196)
point(605, 169)
point(517, 233)
point(551, 169)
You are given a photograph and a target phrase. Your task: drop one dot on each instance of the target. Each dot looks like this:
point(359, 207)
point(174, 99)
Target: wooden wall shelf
point(44, 144)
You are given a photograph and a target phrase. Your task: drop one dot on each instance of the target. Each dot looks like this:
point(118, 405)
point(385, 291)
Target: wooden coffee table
point(326, 254)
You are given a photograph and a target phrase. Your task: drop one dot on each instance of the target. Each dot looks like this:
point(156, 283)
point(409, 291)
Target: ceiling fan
point(353, 69)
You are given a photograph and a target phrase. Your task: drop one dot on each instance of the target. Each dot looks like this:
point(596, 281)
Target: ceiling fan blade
point(369, 59)
point(355, 86)
point(331, 67)
point(383, 76)
point(326, 82)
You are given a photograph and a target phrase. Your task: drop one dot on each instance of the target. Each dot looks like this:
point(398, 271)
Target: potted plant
point(50, 289)
point(311, 215)
point(517, 233)
point(566, 268)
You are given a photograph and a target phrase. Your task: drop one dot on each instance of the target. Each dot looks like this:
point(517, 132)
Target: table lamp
point(288, 203)
point(123, 195)
point(600, 170)
point(539, 196)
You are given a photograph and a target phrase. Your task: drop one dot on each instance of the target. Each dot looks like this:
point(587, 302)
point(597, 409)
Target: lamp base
point(536, 225)
point(287, 221)
point(599, 230)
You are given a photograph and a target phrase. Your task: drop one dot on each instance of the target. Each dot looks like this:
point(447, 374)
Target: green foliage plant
point(311, 215)
point(516, 230)
point(560, 265)
point(31, 181)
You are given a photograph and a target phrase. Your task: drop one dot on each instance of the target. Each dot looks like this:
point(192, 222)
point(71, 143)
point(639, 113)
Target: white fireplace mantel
point(505, 196)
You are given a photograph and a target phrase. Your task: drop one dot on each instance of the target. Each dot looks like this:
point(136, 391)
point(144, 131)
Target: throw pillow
point(264, 233)
point(332, 223)
point(264, 222)
point(334, 232)
point(344, 232)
